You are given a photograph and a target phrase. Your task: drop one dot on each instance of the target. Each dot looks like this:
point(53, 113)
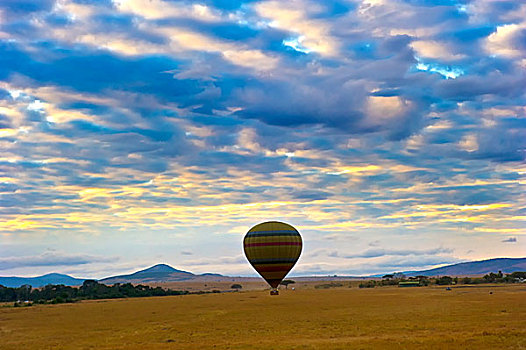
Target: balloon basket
point(274, 292)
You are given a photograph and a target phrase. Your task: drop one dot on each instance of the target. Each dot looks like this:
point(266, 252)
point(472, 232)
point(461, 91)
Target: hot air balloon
point(272, 248)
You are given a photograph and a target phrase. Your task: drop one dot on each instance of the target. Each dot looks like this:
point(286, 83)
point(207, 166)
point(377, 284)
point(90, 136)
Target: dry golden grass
point(250, 283)
point(336, 318)
point(210, 285)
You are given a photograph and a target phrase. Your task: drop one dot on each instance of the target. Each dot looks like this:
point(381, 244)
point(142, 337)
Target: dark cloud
point(381, 267)
point(415, 263)
point(376, 253)
point(5, 122)
point(95, 72)
point(7, 187)
point(432, 3)
point(310, 195)
point(226, 260)
point(23, 7)
point(52, 258)
point(374, 243)
point(472, 87)
point(506, 144)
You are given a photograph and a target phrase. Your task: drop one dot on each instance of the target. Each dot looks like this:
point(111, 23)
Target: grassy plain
point(307, 318)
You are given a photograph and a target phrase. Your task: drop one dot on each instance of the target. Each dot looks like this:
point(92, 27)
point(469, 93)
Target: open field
point(307, 318)
point(250, 283)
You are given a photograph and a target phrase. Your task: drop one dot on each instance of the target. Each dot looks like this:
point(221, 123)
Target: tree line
point(395, 279)
point(90, 289)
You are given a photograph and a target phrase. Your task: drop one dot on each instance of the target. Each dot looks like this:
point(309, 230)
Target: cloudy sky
point(392, 134)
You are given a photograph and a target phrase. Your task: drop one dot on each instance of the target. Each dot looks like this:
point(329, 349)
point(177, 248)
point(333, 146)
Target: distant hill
point(154, 274)
point(164, 273)
point(40, 281)
point(473, 268)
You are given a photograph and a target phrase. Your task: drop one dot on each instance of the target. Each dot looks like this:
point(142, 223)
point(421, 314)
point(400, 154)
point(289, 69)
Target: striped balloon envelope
point(272, 248)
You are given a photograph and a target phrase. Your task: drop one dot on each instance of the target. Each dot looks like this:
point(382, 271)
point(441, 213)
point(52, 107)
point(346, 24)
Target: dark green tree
point(236, 286)
point(444, 280)
point(286, 283)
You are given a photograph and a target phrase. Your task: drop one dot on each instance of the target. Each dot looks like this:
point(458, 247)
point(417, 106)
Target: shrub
point(368, 284)
point(444, 280)
point(328, 285)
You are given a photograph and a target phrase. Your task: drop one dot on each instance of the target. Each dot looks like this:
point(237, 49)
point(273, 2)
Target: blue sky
point(392, 134)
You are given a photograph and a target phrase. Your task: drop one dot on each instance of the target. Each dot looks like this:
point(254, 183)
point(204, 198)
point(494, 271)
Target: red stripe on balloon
point(271, 244)
point(284, 268)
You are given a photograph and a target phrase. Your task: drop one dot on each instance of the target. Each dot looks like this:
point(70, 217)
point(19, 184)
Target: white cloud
point(505, 41)
point(469, 143)
point(158, 9)
point(435, 50)
point(384, 108)
point(294, 16)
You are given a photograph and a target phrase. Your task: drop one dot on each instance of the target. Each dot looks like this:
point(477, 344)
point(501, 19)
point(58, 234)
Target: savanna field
point(474, 317)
